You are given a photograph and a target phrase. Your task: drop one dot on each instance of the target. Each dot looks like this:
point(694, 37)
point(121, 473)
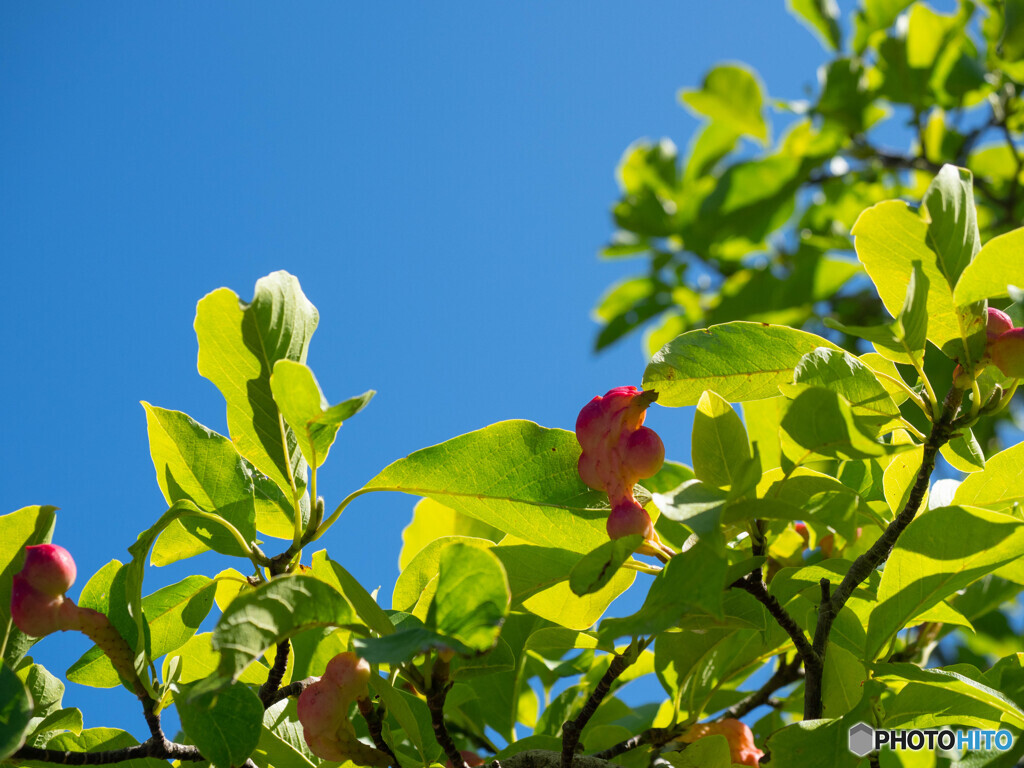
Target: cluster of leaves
point(506, 570)
point(744, 227)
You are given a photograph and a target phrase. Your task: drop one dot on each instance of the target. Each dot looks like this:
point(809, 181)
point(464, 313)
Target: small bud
point(1007, 352)
point(49, 568)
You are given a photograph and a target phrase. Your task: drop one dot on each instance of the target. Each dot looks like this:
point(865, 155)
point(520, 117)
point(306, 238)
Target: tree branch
point(879, 552)
point(168, 750)
point(754, 585)
point(269, 688)
point(437, 693)
point(571, 729)
point(292, 689)
point(373, 723)
point(783, 676)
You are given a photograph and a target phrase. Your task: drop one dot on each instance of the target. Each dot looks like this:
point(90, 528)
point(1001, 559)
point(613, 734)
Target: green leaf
point(107, 592)
point(542, 500)
point(720, 448)
point(953, 234)
point(708, 752)
point(889, 238)
point(844, 374)
point(730, 95)
point(69, 719)
point(45, 690)
point(964, 453)
point(1000, 486)
point(281, 743)
point(28, 525)
point(822, 18)
point(820, 422)
point(692, 579)
point(174, 613)
point(199, 660)
point(997, 265)
point(257, 621)
point(941, 551)
point(432, 520)
point(195, 463)
point(365, 606)
point(950, 681)
point(306, 411)
point(472, 598)
point(814, 744)
point(538, 579)
point(842, 681)
point(238, 346)
point(15, 711)
point(423, 568)
point(740, 361)
point(875, 15)
point(697, 506)
point(225, 724)
point(398, 707)
point(596, 569)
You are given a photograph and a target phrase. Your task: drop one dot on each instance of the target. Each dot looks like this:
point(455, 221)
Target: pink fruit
point(742, 749)
point(33, 612)
point(998, 323)
point(645, 453)
point(323, 711)
point(470, 758)
point(49, 568)
point(1007, 352)
point(617, 452)
point(628, 518)
point(350, 674)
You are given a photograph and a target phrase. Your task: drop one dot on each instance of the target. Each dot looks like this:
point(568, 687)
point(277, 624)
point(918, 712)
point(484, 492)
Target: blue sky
point(439, 179)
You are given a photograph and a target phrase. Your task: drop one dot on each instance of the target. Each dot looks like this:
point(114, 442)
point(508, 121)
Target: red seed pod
point(645, 452)
point(998, 323)
point(1007, 352)
point(49, 568)
point(628, 518)
point(33, 612)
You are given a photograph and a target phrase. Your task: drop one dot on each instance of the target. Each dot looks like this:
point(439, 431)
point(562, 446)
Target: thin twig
point(571, 729)
point(783, 676)
point(373, 723)
point(754, 585)
point(436, 695)
point(292, 689)
point(269, 688)
point(656, 737)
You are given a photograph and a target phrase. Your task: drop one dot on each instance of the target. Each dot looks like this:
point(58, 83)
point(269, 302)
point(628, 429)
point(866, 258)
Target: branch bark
point(833, 602)
point(276, 674)
point(571, 729)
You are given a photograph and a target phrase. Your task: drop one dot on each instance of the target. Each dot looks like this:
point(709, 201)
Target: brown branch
point(292, 689)
point(783, 676)
point(269, 688)
point(879, 552)
point(571, 729)
point(168, 750)
point(656, 737)
point(373, 723)
point(437, 693)
point(753, 584)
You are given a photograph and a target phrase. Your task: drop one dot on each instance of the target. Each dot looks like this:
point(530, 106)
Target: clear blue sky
point(438, 176)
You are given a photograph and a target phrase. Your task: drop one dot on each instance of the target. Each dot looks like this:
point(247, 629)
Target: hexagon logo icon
point(862, 739)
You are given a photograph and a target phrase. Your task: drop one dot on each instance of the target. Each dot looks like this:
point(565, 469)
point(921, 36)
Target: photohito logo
point(864, 739)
